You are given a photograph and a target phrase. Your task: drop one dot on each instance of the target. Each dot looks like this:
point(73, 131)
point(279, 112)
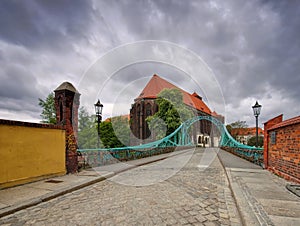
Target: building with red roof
point(145, 106)
point(243, 135)
point(127, 117)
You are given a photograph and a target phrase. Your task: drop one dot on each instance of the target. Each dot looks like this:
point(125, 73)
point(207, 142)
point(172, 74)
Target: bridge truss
point(181, 137)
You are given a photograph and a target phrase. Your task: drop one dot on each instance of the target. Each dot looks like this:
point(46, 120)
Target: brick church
point(204, 133)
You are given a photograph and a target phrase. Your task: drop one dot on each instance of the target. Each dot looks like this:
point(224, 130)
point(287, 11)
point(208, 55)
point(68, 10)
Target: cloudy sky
point(252, 49)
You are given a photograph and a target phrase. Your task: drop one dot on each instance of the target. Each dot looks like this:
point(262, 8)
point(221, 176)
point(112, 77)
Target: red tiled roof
point(246, 131)
point(215, 114)
point(122, 116)
point(287, 122)
point(157, 84)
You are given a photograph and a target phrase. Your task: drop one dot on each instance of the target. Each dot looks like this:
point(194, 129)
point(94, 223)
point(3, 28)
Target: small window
point(273, 137)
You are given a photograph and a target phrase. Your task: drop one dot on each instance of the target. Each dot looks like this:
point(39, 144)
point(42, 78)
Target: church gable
point(145, 106)
point(157, 84)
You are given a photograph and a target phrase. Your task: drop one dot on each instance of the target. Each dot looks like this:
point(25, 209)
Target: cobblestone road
point(190, 197)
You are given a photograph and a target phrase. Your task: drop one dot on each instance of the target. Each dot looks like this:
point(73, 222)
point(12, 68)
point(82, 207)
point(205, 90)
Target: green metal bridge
point(180, 138)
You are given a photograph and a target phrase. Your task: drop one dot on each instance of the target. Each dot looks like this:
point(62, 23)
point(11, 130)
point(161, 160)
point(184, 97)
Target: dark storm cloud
point(43, 24)
point(253, 47)
point(17, 83)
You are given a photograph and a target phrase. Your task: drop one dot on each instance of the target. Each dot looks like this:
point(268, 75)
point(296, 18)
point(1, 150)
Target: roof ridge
point(156, 84)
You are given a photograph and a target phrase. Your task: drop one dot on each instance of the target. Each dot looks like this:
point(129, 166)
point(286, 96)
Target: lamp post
point(256, 110)
point(98, 110)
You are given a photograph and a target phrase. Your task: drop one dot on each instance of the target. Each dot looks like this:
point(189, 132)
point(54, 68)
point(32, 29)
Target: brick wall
point(283, 153)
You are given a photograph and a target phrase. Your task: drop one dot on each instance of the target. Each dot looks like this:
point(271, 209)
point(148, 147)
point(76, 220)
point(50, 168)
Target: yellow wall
point(28, 154)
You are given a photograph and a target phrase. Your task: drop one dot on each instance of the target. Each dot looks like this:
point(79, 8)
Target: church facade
point(203, 132)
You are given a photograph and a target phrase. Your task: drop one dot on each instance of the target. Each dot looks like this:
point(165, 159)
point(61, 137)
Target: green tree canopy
point(121, 128)
point(252, 141)
point(49, 113)
point(171, 113)
point(236, 125)
point(239, 124)
point(87, 133)
point(115, 132)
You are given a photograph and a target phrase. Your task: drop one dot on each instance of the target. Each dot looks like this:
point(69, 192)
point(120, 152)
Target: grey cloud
point(253, 47)
point(18, 83)
point(43, 24)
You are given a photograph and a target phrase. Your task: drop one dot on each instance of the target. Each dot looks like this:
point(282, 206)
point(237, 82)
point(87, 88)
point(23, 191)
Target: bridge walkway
point(229, 192)
point(261, 197)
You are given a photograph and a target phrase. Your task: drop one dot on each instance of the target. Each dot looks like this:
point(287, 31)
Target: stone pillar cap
point(66, 86)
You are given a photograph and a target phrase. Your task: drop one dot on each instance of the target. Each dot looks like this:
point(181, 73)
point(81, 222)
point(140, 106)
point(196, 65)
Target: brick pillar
point(67, 104)
point(268, 125)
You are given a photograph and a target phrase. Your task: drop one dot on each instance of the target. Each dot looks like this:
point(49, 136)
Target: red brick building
point(145, 106)
point(282, 147)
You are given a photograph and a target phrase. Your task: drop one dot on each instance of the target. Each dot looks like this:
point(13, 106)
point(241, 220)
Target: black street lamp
point(98, 110)
point(256, 111)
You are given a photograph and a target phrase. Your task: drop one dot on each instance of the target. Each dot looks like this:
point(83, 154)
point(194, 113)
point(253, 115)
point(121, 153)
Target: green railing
point(181, 137)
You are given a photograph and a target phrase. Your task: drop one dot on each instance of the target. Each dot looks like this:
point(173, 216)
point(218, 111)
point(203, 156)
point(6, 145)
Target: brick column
point(67, 104)
point(268, 125)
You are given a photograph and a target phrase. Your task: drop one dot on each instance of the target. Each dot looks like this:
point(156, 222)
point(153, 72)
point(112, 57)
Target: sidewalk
point(261, 196)
point(23, 196)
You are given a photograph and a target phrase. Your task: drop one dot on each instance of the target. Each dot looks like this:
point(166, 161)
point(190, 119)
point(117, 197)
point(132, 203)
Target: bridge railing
point(179, 138)
point(100, 157)
point(252, 155)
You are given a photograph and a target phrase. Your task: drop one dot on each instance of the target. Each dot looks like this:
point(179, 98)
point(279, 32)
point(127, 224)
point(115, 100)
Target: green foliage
point(252, 141)
point(87, 131)
point(49, 113)
point(239, 124)
point(229, 129)
point(171, 113)
point(121, 128)
point(115, 133)
point(236, 125)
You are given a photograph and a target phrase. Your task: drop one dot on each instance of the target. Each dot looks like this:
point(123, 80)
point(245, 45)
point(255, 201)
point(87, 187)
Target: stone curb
point(229, 182)
point(55, 194)
point(51, 195)
point(249, 210)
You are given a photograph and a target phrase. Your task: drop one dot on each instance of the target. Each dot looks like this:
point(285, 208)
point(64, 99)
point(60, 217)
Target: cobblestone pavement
point(190, 197)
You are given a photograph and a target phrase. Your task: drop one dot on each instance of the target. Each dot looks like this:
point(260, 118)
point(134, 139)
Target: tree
point(49, 113)
point(87, 133)
point(239, 124)
point(172, 112)
point(115, 132)
point(252, 141)
point(108, 137)
point(236, 125)
point(229, 129)
point(121, 129)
